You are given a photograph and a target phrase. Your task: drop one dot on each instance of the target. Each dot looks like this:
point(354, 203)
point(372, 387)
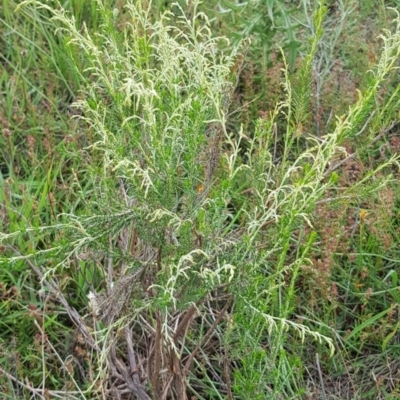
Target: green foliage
point(219, 259)
point(264, 21)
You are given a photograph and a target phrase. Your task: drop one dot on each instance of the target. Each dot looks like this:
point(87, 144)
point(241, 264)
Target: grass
point(191, 213)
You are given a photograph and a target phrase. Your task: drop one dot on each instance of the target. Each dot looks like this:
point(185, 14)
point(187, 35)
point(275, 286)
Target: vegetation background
point(199, 200)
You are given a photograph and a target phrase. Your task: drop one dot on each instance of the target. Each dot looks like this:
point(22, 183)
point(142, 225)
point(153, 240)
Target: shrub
point(199, 236)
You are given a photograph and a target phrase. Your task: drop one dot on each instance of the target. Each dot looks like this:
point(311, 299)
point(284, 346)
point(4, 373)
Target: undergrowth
point(181, 219)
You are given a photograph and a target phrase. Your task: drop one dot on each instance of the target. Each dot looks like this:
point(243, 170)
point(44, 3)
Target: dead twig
point(206, 337)
point(131, 355)
point(40, 392)
point(156, 354)
point(189, 315)
point(120, 371)
point(136, 390)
